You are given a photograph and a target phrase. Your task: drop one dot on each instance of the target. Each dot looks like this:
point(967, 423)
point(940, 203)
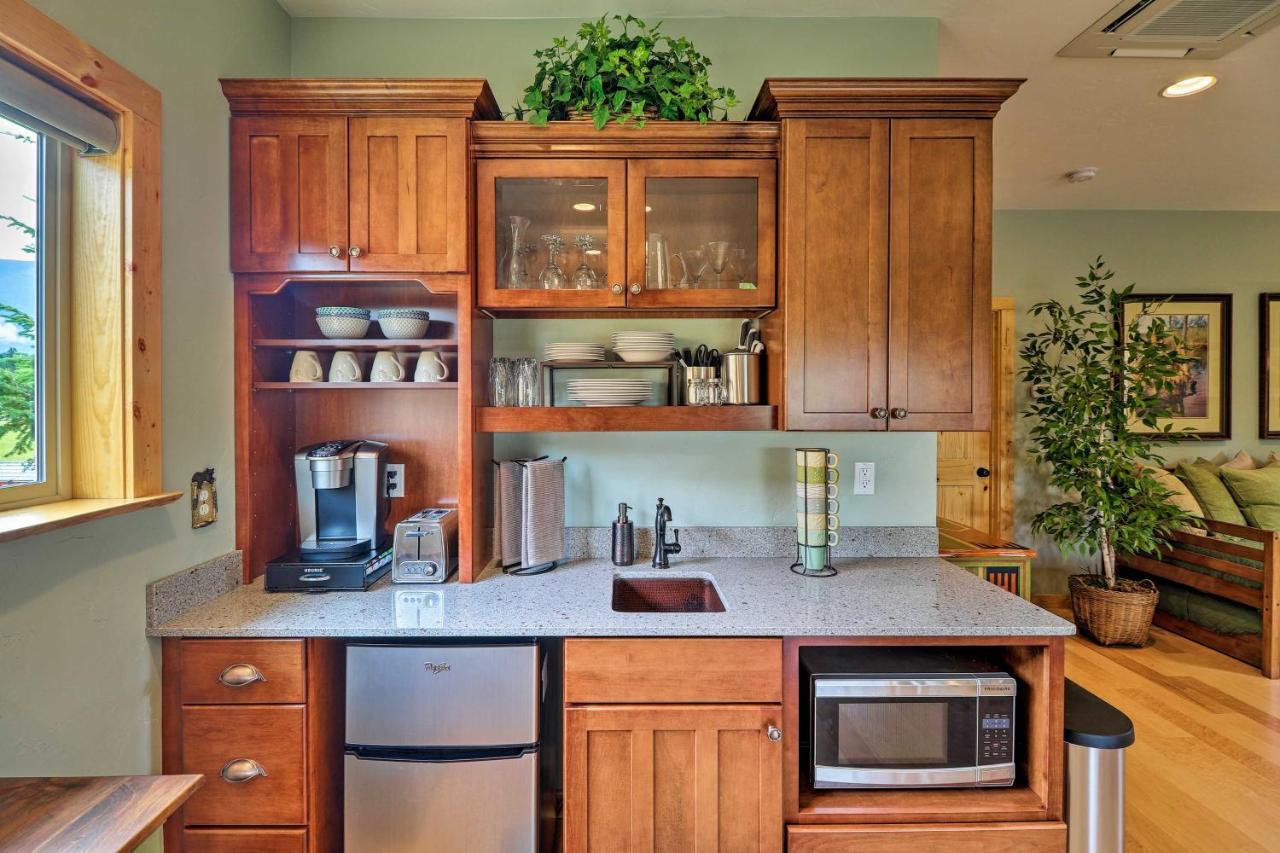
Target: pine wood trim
point(115, 393)
point(1004, 344)
point(41, 518)
point(460, 97)
point(884, 97)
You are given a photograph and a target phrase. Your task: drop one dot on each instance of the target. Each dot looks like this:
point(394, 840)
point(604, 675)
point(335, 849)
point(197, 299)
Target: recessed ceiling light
point(1189, 86)
point(584, 206)
point(1079, 176)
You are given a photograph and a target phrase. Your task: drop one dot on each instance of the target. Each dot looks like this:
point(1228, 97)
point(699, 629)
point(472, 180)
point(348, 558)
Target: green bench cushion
point(1201, 608)
point(1203, 480)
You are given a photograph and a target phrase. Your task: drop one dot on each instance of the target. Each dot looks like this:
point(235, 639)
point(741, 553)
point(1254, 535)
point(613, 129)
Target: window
point(32, 459)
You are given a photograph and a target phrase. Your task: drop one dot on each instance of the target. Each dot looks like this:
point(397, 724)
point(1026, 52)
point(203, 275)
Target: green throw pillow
point(1204, 482)
point(1258, 494)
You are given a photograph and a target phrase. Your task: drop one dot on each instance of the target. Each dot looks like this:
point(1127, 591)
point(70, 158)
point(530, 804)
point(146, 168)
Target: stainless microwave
point(913, 729)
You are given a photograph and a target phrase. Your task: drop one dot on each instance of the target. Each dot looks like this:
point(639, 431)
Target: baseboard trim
point(1055, 601)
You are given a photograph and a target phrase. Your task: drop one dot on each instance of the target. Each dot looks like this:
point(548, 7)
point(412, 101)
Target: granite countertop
point(895, 597)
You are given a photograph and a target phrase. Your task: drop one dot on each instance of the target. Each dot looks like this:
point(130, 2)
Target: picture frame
point(1202, 322)
point(1269, 365)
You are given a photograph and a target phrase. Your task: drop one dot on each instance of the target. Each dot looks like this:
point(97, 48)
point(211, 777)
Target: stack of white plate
point(644, 346)
point(574, 352)
point(609, 392)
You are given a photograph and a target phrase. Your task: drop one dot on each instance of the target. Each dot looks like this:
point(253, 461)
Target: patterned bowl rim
point(403, 314)
point(342, 311)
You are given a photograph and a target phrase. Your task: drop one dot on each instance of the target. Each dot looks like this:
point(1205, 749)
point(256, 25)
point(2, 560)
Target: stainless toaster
point(426, 547)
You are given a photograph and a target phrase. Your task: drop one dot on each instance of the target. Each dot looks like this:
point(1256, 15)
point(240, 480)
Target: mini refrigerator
point(442, 747)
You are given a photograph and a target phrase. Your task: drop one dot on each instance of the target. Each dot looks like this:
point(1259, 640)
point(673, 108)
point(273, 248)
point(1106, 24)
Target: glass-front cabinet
point(602, 234)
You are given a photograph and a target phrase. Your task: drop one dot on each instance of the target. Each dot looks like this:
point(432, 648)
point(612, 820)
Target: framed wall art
point(1200, 327)
point(1269, 366)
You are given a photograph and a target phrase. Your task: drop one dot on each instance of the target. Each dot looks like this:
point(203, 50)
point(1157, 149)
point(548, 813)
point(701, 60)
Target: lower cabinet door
point(1030, 837)
point(252, 760)
point(244, 840)
point(689, 778)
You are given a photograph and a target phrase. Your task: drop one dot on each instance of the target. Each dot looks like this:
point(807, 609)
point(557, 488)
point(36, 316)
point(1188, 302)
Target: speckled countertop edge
point(904, 597)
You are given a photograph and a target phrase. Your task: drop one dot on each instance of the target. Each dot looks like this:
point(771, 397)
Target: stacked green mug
point(817, 506)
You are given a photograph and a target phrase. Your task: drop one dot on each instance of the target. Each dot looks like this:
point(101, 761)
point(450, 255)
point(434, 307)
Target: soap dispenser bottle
point(624, 538)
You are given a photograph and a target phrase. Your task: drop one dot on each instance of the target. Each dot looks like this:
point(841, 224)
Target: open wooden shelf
point(355, 386)
point(959, 805)
point(624, 418)
point(358, 344)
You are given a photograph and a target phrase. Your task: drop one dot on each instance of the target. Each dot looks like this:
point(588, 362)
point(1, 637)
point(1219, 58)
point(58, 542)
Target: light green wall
point(743, 51)
point(1039, 253)
point(81, 691)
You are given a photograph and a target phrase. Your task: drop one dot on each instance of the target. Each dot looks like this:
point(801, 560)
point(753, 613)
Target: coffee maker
point(342, 505)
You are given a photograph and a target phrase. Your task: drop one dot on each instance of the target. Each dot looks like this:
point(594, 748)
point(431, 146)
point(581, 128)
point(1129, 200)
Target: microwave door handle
point(889, 688)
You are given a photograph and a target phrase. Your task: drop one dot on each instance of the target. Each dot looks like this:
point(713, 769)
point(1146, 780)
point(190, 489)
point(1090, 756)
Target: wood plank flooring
point(1204, 774)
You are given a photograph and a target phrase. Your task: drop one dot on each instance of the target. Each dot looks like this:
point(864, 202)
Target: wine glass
point(552, 276)
point(584, 277)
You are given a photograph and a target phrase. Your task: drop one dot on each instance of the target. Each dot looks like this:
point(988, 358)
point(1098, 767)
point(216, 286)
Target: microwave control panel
point(996, 738)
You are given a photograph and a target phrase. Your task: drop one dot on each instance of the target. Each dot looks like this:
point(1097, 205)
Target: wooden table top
point(87, 812)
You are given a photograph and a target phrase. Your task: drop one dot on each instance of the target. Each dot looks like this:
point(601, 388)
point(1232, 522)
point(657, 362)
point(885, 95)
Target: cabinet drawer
point(1042, 837)
point(675, 670)
point(216, 672)
point(270, 736)
point(241, 840)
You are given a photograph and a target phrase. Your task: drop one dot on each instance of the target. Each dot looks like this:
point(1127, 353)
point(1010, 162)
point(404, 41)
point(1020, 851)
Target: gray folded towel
point(508, 514)
point(542, 505)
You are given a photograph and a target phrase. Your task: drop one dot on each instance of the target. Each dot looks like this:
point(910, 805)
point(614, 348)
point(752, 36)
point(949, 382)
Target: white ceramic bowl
point(400, 328)
point(642, 354)
point(343, 327)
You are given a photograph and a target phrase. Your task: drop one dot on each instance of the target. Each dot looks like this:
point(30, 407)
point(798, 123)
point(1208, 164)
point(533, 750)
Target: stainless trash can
point(1096, 734)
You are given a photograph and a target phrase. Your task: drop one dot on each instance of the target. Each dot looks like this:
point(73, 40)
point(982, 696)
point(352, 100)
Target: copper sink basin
point(666, 595)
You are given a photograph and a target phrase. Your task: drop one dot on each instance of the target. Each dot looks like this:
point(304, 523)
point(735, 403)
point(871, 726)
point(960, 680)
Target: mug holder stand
point(798, 566)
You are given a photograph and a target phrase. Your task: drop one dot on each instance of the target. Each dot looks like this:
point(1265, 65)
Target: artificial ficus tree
point(1092, 377)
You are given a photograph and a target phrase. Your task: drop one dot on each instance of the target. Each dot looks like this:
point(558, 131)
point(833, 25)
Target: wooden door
point(686, 778)
point(288, 194)
point(975, 469)
point(568, 198)
point(835, 262)
point(940, 275)
point(408, 194)
point(692, 206)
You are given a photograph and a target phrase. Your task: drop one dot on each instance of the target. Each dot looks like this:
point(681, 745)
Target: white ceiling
point(1215, 151)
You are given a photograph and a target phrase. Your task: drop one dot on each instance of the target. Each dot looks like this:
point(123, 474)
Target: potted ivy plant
point(1091, 378)
point(624, 74)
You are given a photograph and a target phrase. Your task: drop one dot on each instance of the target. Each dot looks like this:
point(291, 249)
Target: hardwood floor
point(1204, 774)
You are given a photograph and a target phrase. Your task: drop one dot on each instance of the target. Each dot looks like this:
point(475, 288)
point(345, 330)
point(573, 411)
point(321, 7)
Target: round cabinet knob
point(335, 251)
point(616, 288)
point(241, 770)
point(880, 413)
point(898, 414)
point(635, 288)
point(241, 675)
point(774, 733)
point(984, 472)
point(355, 251)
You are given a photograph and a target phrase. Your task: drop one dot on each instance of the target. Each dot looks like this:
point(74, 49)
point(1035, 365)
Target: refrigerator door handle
point(439, 754)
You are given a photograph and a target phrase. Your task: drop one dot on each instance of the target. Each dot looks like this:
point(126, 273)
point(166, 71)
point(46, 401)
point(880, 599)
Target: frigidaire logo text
point(437, 668)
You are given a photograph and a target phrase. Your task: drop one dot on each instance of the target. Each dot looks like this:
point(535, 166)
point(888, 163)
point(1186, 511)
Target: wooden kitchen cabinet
point(672, 778)
point(885, 252)
point(318, 184)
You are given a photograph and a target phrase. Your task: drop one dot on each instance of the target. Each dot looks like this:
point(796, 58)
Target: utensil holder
point(741, 374)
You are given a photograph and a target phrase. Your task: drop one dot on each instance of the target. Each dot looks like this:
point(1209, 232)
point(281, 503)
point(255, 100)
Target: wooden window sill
point(30, 520)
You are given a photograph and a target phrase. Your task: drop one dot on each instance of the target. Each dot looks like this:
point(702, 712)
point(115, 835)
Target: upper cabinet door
point(940, 275)
point(408, 195)
point(551, 234)
point(288, 194)
point(701, 233)
point(835, 260)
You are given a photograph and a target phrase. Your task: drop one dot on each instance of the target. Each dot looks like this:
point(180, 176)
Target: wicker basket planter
point(1113, 617)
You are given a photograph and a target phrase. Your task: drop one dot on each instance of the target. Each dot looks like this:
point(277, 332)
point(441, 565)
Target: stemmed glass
point(584, 277)
point(552, 276)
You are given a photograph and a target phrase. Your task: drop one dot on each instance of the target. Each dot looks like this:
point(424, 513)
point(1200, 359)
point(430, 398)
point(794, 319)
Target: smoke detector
point(1175, 29)
point(1079, 176)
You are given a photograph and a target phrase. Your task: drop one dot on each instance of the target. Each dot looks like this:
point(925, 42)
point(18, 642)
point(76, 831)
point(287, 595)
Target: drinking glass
point(552, 276)
point(501, 382)
point(584, 277)
point(528, 381)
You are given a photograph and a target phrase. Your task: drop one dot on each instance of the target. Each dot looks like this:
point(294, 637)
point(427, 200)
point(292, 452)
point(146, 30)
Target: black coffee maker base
point(290, 573)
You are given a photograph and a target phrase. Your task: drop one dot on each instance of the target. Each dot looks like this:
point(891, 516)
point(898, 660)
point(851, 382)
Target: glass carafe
point(513, 269)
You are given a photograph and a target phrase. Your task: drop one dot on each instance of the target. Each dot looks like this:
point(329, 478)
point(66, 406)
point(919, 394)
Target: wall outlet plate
point(204, 499)
point(864, 478)
point(395, 480)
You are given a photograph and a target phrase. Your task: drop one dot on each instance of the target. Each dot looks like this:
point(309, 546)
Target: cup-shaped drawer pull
point(241, 770)
point(241, 675)
point(773, 733)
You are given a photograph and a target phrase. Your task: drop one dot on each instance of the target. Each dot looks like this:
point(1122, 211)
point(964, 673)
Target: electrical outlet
point(204, 499)
point(864, 478)
point(395, 480)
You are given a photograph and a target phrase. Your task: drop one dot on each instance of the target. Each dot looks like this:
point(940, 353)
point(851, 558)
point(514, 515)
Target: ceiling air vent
point(1194, 29)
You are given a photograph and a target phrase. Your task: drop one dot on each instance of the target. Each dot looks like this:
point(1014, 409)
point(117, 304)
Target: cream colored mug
point(431, 368)
point(387, 367)
point(345, 367)
point(306, 367)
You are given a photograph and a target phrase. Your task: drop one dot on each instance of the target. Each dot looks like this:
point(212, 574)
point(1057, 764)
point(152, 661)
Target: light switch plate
point(864, 478)
point(395, 480)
